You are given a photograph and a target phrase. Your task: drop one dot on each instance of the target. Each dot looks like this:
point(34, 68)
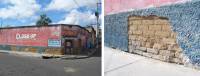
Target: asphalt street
point(16, 65)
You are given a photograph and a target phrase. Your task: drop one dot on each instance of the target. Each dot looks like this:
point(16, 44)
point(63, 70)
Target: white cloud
point(18, 9)
point(70, 4)
point(80, 18)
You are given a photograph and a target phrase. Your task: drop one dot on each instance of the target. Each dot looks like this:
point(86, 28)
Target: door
point(68, 47)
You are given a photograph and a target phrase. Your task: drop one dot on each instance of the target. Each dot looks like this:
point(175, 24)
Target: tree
point(43, 21)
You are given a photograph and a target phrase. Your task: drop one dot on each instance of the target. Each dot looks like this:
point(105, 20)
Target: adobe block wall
point(184, 19)
point(151, 36)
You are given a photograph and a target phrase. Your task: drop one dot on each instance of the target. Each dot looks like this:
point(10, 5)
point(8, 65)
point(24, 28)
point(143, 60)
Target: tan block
point(173, 35)
point(158, 40)
point(178, 54)
point(165, 58)
point(166, 28)
point(162, 34)
point(137, 43)
point(166, 53)
point(138, 32)
point(53, 51)
point(144, 49)
point(161, 21)
point(147, 54)
point(143, 27)
point(177, 48)
point(158, 57)
point(160, 46)
point(141, 38)
point(143, 44)
point(129, 23)
point(133, 27)
point(155, 27)
point(148, 22)
point(136, 22)
point(147, 33)
point(138, 52)
point(33, 50)
point(169, 40)
point(153, 51)
point(149, 44)
point(133, 37)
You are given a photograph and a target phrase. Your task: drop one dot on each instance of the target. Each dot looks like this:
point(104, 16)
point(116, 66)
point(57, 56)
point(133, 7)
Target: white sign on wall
point(25, 36)
point(54, 43)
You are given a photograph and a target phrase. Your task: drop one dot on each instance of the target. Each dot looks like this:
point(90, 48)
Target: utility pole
point(97, 27)
point(1, 23)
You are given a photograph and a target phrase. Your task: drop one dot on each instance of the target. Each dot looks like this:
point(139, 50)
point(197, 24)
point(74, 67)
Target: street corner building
point(58, 39)
point(166, 30)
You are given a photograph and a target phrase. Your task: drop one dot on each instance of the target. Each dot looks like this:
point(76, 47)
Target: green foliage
point(43, 21)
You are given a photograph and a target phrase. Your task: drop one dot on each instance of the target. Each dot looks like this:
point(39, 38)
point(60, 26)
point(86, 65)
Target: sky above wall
point(26, 12)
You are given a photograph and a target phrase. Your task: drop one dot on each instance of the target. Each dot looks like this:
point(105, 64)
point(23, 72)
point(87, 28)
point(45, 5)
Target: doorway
point(68, 47)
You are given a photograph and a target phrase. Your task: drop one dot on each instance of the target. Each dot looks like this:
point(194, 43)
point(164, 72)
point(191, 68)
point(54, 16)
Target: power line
point(76, 3)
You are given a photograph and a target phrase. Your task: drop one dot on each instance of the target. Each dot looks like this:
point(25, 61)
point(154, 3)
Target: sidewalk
point(29, 54)
point(119, 63)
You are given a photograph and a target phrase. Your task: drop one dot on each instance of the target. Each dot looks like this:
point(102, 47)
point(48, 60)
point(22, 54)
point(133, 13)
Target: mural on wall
point(184, 20)
point(28, 36)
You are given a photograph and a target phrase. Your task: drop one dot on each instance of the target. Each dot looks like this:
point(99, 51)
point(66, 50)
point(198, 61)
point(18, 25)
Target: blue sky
point(26, 12)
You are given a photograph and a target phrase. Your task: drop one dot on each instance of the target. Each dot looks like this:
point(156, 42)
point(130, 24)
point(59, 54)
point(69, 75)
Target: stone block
point(138, 52)
point(138, 32)
point(149, 44)
point(144, 49)
point(136, 43)
point(133, 27)
point(153, 51)
point(130, 32)
point(148, 22)
point(173, 35)
point(133, 37)
point(165, 58)
point(162, 34)
point(148, 33)
point(143, 27)
point(169, 41)
point(143, 44)
point(166, 28)
point(166, 53)
point(160, 46)
point(162, 22)
point(136, 22)
point(141, 38)
point(156, 57)
point(155, 27)
point(174, 47)
point(178, 54)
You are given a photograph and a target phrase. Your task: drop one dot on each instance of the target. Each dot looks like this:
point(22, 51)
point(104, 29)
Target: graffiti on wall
point(29, 36)
point(25, 36)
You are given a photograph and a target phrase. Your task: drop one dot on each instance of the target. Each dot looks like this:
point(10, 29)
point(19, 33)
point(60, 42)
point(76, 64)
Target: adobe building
point(92, 35)
point(166, 30)
point(58, 39)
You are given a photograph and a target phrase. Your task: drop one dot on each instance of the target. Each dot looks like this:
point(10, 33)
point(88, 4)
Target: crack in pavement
point(123, 66)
